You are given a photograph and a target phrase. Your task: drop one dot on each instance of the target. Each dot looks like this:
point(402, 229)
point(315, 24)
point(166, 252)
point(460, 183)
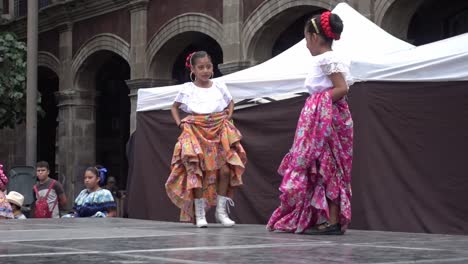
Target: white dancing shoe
point(200, 212)
point(221, 214)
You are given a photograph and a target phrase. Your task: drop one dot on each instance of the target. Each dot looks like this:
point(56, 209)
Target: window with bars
point(44, 3)
point(456, 24)
point(21, 6)
point(5, 7)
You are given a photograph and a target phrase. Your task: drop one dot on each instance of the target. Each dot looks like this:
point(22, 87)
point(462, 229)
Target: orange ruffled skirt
point(206, 144)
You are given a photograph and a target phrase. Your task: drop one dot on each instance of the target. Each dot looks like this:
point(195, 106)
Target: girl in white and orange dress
point(208, 160)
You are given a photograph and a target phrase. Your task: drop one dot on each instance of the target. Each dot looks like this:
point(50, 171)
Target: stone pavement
point(137, 241)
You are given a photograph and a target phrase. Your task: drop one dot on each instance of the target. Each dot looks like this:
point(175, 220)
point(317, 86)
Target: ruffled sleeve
point(184, 94)
point(227, 97)
point(106, 199)
point(331, 63)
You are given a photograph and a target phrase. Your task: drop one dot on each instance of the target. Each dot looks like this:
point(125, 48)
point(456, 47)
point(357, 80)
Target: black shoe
point(327, 230)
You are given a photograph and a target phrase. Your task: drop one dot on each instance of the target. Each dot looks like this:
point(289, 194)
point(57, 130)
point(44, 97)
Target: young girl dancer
point(316, 186)
point(208, 160)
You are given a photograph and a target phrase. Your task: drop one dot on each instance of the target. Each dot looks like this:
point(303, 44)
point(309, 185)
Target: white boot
point(200, 212)
point(221, 214)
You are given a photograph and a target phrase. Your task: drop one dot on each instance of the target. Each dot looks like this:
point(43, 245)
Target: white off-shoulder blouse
point(325, 64)
point(198, 100)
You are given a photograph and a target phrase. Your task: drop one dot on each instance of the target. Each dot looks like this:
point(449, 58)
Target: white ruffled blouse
point(198, 100)
point(326, 64)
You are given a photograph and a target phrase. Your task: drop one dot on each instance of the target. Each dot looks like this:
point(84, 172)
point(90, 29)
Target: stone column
point(136, 84)
point(232, 46)
point(64, 158)
point(66, 55)
point(138, 16)
point(77, 136)
point(31, 86)
point(138, 40)
point(365, 7)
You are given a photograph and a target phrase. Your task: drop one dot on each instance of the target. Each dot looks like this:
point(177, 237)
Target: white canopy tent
point(445, 60)
point(374, 53)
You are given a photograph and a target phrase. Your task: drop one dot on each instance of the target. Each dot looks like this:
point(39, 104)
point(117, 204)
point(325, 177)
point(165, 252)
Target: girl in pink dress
point(316, 186)
point(5, 209)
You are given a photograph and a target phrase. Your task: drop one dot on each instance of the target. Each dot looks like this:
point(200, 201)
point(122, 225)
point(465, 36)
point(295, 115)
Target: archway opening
point(435, 20)
point(280, 32)
point(113, 116)
point(169, 62)
point(292, 34)
point(47, 84)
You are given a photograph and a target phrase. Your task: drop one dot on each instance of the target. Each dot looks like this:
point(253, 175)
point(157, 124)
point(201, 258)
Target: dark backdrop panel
point(410, 156)
point(409, 167)
point(268, 132)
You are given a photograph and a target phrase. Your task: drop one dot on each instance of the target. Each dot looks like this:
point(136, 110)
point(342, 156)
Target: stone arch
point(189, 22)
point(381, 7)
point(107, 42)
point(48, 60)
point(395, 15)
point(102, 115)
point(255, 24)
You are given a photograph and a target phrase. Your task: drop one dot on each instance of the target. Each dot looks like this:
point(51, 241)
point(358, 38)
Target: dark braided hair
point(100, 172)
point(193, 57)
point(336, 25)
point(94, 170)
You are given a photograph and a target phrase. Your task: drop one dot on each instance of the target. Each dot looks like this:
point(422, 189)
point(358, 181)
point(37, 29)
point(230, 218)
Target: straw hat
point(15, 198)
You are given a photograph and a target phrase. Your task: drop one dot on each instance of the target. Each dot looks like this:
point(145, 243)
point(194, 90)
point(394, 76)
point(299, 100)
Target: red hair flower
point(325, 23)
point(188, 63)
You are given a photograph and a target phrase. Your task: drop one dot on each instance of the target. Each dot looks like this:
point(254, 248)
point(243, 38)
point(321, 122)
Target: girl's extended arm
point(340, 87)
point(230, 109)
point(175, 113)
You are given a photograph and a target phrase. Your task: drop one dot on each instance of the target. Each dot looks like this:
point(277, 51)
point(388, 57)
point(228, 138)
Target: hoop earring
point(193, 78)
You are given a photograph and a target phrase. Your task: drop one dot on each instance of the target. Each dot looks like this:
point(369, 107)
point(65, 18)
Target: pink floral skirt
point(317, 167)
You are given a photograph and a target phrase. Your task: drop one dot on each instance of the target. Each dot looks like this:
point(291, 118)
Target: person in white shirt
point(208, 160)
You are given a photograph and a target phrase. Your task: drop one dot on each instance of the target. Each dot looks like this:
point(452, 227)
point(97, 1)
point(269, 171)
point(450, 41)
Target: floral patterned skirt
point(317, 167)
point(206, 144)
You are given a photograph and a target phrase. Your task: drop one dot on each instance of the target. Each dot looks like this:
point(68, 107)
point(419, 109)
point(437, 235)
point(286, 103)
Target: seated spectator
point(5, 209)
point(16, 200)
point(93, 201)
point(112, 187)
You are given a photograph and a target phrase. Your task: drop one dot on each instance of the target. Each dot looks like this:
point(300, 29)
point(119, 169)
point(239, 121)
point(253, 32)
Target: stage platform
point(136, 241)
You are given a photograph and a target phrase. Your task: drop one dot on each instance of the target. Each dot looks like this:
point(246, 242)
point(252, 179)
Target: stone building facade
point(95, 54)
